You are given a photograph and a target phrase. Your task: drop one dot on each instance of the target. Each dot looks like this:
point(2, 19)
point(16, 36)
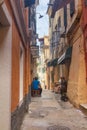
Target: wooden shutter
point(72, 7)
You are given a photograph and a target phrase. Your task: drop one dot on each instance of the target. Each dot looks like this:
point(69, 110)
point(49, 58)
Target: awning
point(29, 3)
point(49, 64)
point(52, 62)
point(65, 56)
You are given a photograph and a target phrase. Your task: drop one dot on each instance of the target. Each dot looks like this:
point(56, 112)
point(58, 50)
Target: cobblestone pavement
point(48, 112)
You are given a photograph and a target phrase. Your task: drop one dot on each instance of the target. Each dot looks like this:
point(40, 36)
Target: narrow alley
point(43, 46)
point(48, 112)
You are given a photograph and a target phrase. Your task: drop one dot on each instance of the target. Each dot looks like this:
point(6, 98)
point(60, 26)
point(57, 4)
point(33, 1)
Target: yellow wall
point(77, 88)
point(15, 67)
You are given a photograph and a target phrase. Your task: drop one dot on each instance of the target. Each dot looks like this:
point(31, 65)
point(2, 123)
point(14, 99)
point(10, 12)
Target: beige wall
point(46, 50)
point(73, 75)
point(5, 78)
point(5, 72)
point(82, 76)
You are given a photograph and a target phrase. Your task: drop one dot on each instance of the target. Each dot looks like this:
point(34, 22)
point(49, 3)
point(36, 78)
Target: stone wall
point(18, 115)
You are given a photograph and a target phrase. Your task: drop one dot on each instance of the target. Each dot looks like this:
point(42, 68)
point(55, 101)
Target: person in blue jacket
point(36, 85)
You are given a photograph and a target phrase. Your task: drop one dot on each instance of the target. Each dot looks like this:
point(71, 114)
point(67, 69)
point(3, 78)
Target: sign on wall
point(35, 51)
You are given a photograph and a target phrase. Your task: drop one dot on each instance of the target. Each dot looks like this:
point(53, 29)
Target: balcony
point(76, 17)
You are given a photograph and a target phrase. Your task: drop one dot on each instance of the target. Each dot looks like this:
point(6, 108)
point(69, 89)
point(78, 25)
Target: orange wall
point(15, 62)
point(16, 40)
point(15, 67)
point(26, 71)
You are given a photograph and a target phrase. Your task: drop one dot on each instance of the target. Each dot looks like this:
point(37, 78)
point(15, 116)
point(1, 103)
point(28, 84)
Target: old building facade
point(68, 36)
point(15, 62)
point(44, 57)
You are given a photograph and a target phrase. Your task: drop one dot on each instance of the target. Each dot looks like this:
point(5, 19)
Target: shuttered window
point(29, 18)
point(65, 16)
point(72, 7)
point(59, 23)
point(29, 3)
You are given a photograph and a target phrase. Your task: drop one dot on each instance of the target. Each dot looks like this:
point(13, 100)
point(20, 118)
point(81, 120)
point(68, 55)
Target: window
point(50, 22)
point(59, 24)
point(65, 16)
point(29, 19)
point(72, 7)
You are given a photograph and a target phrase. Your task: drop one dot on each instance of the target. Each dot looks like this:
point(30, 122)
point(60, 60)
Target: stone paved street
point(48, 112)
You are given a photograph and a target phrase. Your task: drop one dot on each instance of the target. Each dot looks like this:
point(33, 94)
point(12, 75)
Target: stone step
point(83, 107)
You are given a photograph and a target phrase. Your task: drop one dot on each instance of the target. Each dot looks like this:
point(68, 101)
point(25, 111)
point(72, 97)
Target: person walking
point(63, 89)
point(36, 85)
